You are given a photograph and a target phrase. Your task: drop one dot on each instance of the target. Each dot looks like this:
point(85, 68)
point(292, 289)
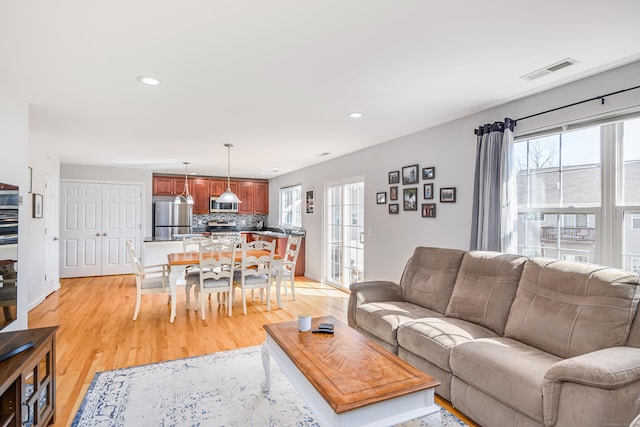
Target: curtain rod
point(601, 98)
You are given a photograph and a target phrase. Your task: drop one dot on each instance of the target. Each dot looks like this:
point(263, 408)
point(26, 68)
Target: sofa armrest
point(373, 291)
point(609, 369)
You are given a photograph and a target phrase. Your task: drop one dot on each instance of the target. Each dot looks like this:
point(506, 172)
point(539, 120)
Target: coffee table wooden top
point(348, 369)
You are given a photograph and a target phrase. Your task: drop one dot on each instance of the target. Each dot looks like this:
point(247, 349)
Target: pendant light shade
point(185, 193)
point(228, 196)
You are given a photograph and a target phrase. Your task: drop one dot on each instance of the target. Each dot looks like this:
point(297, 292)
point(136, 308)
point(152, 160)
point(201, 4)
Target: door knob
point(104, 234)
point(98, 234)
point(55, 239)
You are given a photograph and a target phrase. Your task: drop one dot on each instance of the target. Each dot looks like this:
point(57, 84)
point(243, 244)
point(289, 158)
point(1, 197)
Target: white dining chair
point(215, 273)
point(150, 279)
point(289, 261)
point(192, 244)
point(255, 271)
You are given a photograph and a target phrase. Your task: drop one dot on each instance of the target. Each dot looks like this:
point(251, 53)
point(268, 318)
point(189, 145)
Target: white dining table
point(179, 261)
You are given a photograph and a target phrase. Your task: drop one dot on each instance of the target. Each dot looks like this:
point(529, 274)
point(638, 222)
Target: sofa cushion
point(568, 308)
point(485, 288)
point(505, 369)
point(429, 277)
point(433, 338)
point(382, 319)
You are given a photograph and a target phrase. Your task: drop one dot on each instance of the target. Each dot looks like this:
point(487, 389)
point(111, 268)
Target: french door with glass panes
point(344, 231)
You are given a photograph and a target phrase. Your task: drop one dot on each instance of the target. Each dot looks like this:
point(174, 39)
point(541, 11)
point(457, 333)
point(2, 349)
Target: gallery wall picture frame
point(428, 191)
point(428, 210)
point(448, 194)
point(310, 201)
point(394, 177)
point(381, 198)
point(37, 205)
point(393, 193)
point(410, 199)
point(429, 173)
point(410, 175)
point(394, 208)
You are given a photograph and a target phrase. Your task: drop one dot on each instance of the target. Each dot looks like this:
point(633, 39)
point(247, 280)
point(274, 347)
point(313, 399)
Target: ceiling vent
point(549, 69)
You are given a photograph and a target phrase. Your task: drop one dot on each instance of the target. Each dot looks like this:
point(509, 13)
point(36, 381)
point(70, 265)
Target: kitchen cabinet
point(28, 379)
point(167, 185)
point(200, 190)
point(254, 196)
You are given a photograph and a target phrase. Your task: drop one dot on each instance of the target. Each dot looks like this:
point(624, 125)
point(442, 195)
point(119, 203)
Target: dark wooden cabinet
point(28, 379)
point(261, 198)
point(199, 189)
point(254, 194)
point(167, 185)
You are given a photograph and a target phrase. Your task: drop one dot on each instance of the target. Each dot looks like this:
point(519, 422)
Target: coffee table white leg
point(266, 364)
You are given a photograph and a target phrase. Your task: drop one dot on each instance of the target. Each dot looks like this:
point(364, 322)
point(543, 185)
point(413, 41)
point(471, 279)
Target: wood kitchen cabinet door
point(167, 185)
point(261, 198)
point(245, 194)
point(199, 188)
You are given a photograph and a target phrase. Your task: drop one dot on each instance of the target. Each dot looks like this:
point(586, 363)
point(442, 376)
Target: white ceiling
point(278, 78)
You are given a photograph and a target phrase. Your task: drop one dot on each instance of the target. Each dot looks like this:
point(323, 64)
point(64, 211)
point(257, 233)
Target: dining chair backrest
point(291, 253)
point(192, 244)
point(257, 264)
point(135, 261)
point(217, 261)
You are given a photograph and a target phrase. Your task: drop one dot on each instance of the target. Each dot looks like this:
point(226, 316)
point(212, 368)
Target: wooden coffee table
point(347, 379)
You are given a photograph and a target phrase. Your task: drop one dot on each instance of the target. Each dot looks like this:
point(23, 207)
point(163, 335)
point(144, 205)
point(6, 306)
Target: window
point(291, 206)
point(566, 187)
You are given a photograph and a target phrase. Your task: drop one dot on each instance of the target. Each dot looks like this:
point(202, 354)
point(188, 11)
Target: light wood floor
point(97, 332)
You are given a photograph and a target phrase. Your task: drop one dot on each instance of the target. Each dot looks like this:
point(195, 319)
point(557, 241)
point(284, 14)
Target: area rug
point(218, 389)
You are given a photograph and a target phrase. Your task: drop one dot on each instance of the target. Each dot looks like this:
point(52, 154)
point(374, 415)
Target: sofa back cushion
point(485, 288)
point(429, 277)
point(568, 308)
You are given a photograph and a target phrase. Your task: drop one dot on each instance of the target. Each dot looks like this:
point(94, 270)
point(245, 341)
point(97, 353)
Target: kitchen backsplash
point(243, 222)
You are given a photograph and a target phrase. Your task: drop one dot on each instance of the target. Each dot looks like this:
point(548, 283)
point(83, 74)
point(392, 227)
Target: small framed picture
point(410, 199)
point(448, 195)
point(394, 177)
point(394, 208)
point(381, 198)
point(428, 191)
point(410, 175)
point(393, 193)
point(310, 201)
point(37, 205)
point(429, 173)
point(428, 210)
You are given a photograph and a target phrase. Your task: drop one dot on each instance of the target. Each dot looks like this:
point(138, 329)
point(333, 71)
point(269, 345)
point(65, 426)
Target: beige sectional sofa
point(514, 341)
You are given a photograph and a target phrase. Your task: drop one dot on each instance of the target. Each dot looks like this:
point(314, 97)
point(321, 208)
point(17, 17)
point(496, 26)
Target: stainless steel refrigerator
point(170, 219)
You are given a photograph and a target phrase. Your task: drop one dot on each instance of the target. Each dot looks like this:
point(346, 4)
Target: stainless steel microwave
point(214, 206)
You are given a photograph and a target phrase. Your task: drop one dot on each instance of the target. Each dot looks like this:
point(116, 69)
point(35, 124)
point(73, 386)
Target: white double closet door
point(95, 222)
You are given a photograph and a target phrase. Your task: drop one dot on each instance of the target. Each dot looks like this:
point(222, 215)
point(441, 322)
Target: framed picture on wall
point(393, 193)
point(428, 210)
point(448, 195)
point(410, 199)
point(394, 208)
point(410, 175)
point(310, 202)
point(381, 198)
point(37, 205)
point(394, 177)
point(428, 191)
point(429, 173)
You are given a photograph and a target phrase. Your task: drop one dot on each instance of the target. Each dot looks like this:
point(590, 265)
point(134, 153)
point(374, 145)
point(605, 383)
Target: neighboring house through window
point(569, 207)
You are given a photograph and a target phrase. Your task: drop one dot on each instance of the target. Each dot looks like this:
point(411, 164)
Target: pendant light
point(185, 193)
point(228, 196)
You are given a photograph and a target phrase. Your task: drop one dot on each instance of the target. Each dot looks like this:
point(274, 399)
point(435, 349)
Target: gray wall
point(449, 147)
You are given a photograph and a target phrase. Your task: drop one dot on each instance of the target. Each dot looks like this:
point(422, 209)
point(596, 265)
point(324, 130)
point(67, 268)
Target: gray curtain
point(493, 225)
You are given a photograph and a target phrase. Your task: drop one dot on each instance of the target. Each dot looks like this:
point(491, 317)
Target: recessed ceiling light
point(148, 80)
point(323, 154)
point(275, 170)
point(355, 115)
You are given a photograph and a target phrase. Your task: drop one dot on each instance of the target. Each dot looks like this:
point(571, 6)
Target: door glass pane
point(631, 159)
point(631, 241)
